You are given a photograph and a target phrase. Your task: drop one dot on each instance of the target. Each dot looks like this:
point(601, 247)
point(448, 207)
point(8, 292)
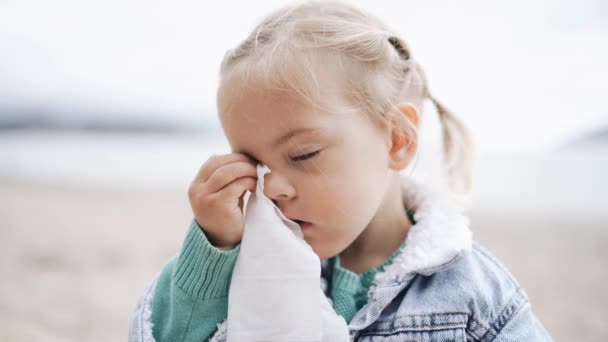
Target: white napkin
point(275, 292)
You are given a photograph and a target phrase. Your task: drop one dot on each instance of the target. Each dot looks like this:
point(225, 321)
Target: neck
point(383, 235)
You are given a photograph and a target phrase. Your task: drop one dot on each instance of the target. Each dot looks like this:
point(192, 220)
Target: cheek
point(338, 188)
point(342, 210)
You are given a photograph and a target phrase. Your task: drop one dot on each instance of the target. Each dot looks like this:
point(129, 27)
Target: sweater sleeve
point(191, 294)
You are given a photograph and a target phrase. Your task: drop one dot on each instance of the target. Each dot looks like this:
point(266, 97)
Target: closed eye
point(305, 156)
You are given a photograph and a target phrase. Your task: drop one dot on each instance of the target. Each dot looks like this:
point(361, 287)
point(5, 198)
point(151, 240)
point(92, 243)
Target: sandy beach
point(74, 260)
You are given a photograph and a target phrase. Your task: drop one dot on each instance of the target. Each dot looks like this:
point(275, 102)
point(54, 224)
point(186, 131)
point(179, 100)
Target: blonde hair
point(286, 48)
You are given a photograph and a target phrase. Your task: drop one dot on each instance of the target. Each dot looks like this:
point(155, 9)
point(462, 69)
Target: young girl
point(329, 99)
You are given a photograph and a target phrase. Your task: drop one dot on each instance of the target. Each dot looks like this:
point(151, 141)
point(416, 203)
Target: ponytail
point(457, 146)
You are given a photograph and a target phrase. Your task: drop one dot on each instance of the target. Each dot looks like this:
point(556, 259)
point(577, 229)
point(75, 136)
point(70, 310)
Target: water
point(572, 182)
point(150, 160)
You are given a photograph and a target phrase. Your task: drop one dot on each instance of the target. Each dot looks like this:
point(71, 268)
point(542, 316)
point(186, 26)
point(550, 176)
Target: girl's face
point(330, 169)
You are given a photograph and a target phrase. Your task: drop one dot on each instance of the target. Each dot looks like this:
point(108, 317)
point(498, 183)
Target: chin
point(323, 253)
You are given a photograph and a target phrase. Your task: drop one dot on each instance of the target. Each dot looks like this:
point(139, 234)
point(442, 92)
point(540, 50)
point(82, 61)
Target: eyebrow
point(283, 139)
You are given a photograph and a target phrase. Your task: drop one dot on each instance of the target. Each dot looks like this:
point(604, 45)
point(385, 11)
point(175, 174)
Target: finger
point(228, 173)
point(216, 161)
point(237, 188)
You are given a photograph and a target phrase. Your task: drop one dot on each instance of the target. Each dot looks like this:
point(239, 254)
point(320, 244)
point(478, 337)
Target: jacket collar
point(439, 234)
point(438, 238)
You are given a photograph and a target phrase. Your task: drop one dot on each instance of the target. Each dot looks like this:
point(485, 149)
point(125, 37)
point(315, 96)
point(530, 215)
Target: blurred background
point(107, 110)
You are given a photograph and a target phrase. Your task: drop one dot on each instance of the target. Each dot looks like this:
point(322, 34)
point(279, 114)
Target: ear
point(403, 145)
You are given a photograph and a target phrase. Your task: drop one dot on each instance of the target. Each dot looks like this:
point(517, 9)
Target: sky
point(523, 75)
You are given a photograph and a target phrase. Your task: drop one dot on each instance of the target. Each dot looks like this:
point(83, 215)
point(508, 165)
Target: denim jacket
point(441, 287)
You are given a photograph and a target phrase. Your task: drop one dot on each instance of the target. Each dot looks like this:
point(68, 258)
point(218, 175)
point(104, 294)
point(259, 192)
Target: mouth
point(303, 224)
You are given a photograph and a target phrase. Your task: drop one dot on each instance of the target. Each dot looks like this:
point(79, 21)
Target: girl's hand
point(216, 197)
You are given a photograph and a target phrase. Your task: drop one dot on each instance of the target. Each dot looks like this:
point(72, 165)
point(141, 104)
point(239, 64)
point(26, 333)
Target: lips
point(303, 224)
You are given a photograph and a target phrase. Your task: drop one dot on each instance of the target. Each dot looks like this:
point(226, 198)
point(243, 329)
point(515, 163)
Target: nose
point(277, 188)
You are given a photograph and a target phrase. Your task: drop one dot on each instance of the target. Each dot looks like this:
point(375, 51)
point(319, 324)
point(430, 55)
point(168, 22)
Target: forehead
point(254, 117)
point(256, 120)
point(282, 95)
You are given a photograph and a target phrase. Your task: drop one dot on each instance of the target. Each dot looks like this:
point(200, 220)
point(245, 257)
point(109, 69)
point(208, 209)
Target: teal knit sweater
point(349, 289)
point(191, 295)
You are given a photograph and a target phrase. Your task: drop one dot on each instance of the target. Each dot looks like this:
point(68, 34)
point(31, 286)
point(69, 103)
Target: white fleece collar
point(440, 233)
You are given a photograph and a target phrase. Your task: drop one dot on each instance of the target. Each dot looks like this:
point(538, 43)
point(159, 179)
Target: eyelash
point(305, 156)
